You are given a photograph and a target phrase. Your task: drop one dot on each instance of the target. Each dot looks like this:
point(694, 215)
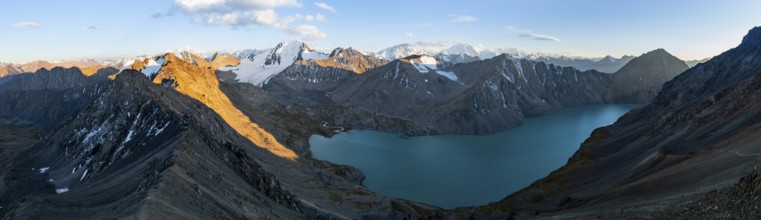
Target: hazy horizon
point(83, 29)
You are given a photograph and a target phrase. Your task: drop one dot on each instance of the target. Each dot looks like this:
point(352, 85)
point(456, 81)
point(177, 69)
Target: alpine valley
point(225, 135)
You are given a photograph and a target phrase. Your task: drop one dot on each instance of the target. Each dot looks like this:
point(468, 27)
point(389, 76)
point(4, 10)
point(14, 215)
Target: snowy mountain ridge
point(258, 68)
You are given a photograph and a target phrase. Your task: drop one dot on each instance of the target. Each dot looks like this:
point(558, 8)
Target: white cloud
point(319, 17)
point(27, 24)
point(409, 34)
point(423, 25)
point(525, 33)
point(325, 6)
point(91, 28)
point(308, 17)
point(515, 29)
point(462, 18)
point(240, 13)
point(264, 17)
point(226, 6)
point(539, 37)
point(441, 43)
point(229, 19)
point(160, 14)
point(309, 32)
point(287, 20)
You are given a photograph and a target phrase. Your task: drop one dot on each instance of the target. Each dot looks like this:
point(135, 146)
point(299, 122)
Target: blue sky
point(72, 29)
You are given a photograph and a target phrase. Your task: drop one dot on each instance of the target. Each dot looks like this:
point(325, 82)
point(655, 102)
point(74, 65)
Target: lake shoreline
point(424, 182)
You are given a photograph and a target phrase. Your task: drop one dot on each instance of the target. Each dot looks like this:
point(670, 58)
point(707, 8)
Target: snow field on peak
point(257, 72)
point(428, 63)
point(314, 55)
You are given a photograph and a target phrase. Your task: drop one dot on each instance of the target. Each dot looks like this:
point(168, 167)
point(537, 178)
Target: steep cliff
point(470, 98)
point(48, 98)
point(699, 134)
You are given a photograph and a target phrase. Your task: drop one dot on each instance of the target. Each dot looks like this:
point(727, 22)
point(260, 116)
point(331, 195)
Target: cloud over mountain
point(27, 24)
point(241, 13)
point(462, 18)
point(540, 37)
point(325, 6)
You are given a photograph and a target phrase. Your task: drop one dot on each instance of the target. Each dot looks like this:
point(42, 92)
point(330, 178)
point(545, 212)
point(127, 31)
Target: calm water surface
point(463, 170)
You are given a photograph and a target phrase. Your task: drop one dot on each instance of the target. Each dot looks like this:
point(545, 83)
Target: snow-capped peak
point(401, 51)
point(188, 49)
point(445, 48)
point(258, 68)
point(461, 49)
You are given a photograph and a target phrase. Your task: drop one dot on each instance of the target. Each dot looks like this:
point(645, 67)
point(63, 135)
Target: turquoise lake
point(465, 170)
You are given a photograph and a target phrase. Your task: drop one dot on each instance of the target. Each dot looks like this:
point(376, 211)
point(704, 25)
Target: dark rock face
point(273, 58)
point(466, 98)
point(642, 78)
point(47, 98)
point(8, 70)
point(165, 152)
point(462, 95)
point(307, 81)
point(699, 133)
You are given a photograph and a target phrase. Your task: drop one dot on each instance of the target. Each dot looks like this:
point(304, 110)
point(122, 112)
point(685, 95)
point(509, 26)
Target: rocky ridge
point(641, 79)
point(698, 135)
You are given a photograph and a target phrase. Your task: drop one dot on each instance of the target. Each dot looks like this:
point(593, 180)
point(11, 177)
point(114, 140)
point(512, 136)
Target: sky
point(76, 29)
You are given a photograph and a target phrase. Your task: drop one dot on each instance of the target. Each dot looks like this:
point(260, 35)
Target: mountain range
point(450, 51)
point(180, 135)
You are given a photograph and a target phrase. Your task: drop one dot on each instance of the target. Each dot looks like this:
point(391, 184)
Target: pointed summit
point(659, 51)
point(642, 78)
point(608, 58)
point(347, 59)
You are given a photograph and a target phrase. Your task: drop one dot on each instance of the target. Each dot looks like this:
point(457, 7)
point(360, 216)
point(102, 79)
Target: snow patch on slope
point(313, 55)
point(127, 64)
point(426, 64)
point(448, 75)
point(62, 190)
point(152, 67)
